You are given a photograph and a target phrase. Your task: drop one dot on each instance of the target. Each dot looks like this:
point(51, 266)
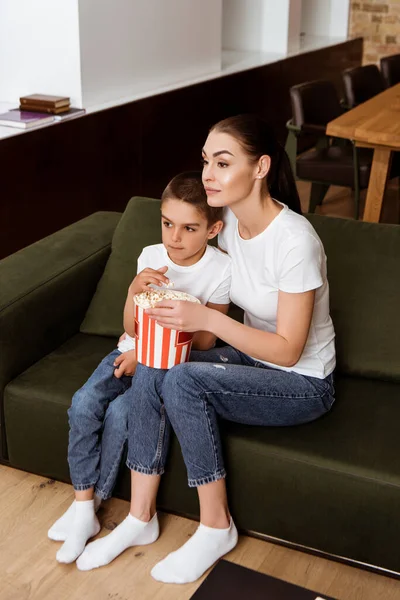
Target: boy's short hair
point(188, 187)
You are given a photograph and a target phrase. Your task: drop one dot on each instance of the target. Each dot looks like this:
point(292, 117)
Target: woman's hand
point(181, 315)
point(146, 277)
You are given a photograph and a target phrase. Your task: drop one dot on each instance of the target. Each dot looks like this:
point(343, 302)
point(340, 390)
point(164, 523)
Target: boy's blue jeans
point(222, 382)
point(98, 420)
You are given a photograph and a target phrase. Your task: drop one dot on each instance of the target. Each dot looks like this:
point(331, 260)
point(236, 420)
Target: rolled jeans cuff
point(144, 470)
point(102, 494)
point(209, 479)
point(81, 487)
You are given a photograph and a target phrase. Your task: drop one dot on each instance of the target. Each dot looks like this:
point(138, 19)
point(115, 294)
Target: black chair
point(332, 161)
point(361, 84)
point(390, 69)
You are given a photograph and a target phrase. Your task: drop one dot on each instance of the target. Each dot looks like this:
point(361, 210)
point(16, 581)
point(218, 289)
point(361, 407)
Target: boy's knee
point(117, 414)
point(78, 409)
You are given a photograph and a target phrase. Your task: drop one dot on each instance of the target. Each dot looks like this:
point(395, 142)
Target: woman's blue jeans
point(98, 428)
point(224, 383)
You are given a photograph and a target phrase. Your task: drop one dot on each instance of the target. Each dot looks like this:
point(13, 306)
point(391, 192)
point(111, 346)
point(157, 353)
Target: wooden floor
point(339, 202)
point(28, 570)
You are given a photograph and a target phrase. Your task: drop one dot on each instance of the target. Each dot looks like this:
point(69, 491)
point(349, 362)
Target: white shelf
point(232, 62)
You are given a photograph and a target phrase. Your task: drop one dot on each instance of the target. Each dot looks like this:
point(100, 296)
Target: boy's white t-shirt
point(288, 256)
point(209, 279)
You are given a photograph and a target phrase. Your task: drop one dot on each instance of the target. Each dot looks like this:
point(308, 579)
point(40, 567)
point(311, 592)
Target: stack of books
point(43, 103)
point(40, 109)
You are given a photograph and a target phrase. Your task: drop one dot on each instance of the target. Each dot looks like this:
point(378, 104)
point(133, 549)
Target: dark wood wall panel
point(54, 176)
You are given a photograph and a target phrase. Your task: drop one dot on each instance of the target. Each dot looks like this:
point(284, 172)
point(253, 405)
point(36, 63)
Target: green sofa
point(331, 486)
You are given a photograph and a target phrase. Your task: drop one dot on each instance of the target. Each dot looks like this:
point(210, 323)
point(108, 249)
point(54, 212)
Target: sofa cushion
point(333, 484)
point(36, 404)
point(363, 274)
point(139, 226)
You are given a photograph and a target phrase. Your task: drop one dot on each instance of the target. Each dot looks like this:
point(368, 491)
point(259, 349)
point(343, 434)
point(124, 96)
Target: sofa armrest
point(45, 290)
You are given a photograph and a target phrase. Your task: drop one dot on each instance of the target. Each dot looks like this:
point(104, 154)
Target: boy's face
point(185, 231)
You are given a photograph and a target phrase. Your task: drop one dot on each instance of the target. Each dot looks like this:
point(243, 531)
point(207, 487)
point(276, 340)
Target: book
point(70, 114)
point(24, 119)
point(44, 109)
point(228, 580)
point(44, 100)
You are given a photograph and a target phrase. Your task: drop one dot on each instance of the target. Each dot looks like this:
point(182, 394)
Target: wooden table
point(373, 124)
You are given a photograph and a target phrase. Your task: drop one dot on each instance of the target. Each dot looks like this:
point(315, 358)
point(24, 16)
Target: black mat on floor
point(232, 582)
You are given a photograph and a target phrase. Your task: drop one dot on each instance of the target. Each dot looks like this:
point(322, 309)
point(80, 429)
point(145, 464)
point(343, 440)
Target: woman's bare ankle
point(143, 514)
point(84, 495)
point(220, 520)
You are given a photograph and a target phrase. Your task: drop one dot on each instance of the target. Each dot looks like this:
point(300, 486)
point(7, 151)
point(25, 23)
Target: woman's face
point(228, 174)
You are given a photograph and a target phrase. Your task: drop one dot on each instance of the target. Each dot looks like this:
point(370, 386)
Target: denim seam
point(205, 405)
point(160, 437)
point(208, 479)
point(103, 492)
point(139, 469)
point(264, 395)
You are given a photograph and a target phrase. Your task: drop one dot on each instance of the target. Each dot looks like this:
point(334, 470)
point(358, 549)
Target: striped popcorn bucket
point(159, 347)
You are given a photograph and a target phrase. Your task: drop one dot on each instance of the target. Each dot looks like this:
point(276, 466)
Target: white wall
point(135, 46)
point(339, 18)
point(261, 25)
point(39, 49)
point(242, 24)
point(325, 17)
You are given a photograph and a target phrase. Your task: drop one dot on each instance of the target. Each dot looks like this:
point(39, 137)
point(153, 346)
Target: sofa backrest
point(364, 280)
point(139, 226)
point(363, 273)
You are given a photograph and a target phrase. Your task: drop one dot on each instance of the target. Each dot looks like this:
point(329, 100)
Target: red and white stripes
point(158, 347)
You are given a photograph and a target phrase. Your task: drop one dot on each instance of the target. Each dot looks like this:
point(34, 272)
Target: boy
point(99, 412)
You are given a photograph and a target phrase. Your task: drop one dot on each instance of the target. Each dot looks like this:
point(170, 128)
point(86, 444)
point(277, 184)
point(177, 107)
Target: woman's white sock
point(60, 530)
point(199, 553)
point(85, 526)
point(131, 532)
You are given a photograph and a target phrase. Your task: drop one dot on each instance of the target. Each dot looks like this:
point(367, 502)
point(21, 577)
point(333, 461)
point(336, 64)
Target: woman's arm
point(282, 348)
point(204, 340)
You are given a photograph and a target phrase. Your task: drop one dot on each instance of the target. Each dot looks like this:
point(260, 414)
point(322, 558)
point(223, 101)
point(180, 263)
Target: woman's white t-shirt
point(288, 256)
point(209, 279)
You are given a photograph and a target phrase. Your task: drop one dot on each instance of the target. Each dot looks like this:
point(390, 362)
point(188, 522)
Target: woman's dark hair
point(188, 187)
point(257, 138)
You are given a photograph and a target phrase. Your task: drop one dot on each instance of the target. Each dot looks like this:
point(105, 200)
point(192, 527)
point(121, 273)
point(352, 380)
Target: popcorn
point(150, 299)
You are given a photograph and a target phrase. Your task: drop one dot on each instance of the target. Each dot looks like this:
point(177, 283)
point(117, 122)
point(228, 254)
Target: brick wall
point(379, 24)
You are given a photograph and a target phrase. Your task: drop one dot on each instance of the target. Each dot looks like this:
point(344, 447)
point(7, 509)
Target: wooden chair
point(331, 162)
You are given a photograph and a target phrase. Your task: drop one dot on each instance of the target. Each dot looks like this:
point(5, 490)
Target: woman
point(276, 368)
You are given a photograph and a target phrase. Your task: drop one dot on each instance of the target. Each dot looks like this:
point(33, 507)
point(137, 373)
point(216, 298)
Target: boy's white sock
point(199, 553)
point(85, 526)
point(131, 532)
point(60, 530)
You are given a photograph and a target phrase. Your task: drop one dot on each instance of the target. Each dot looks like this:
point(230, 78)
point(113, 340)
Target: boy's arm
point(204, 340)
point(141, 283)
point(129, 312)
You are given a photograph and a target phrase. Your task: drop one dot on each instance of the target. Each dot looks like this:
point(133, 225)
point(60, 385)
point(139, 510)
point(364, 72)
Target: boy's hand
point(149, 276)
point(125, 364)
